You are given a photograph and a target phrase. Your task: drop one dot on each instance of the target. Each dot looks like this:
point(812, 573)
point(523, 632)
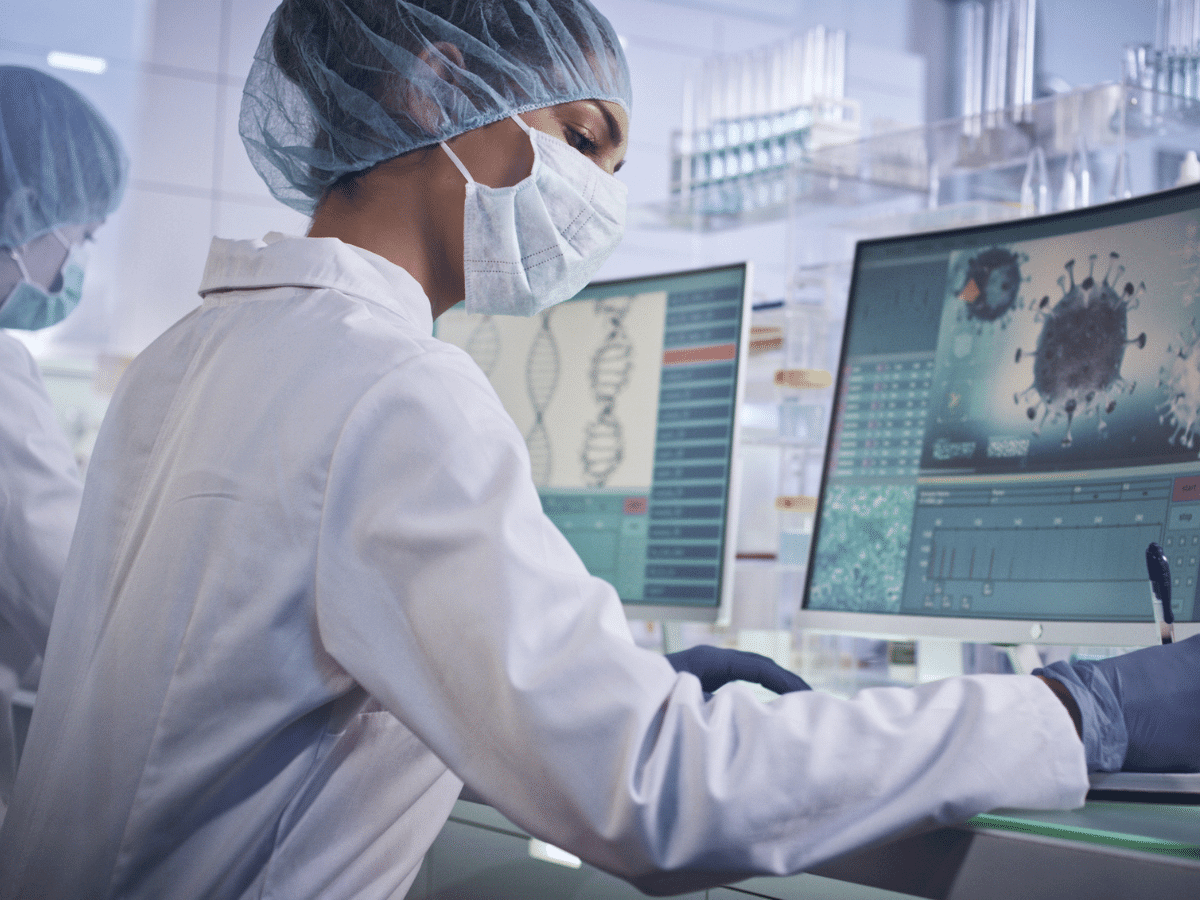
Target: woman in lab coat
point(62, 171)
point(313, 592)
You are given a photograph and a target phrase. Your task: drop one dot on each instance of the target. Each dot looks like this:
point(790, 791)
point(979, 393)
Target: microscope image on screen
point(1070, 352)
point(865, 547)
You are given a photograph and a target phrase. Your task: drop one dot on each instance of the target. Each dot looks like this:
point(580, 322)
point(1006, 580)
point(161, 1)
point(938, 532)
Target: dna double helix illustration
point(612, 364)
point(542, 370)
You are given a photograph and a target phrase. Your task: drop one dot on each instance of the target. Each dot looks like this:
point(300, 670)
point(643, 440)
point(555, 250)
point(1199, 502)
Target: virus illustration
point(990, 286)
point(1181, 380)
point(1077, 363)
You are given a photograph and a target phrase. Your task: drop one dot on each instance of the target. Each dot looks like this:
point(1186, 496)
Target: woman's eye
point(582, 142)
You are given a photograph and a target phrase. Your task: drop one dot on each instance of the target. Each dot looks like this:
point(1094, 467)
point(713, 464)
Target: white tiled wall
point(173, 91)
point(191, 177)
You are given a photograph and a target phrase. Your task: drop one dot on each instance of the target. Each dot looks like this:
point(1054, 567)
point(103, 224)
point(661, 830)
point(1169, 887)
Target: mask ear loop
point(16, 257)
point(457, 162)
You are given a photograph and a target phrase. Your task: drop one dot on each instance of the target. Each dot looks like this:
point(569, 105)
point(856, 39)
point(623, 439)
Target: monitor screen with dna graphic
point(627, 396)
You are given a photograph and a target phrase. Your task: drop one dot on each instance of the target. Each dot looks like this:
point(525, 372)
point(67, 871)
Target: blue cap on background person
point(62, 172)
point(61, 163)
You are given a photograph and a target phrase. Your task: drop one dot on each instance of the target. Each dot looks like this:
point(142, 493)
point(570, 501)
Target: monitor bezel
point(895, 626)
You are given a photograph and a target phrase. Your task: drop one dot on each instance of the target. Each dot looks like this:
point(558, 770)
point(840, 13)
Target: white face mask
point(539, 242)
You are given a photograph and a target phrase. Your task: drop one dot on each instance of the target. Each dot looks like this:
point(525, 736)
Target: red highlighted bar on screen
point(689, 355)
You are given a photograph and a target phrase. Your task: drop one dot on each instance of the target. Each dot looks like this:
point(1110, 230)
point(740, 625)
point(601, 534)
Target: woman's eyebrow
point(616, 134)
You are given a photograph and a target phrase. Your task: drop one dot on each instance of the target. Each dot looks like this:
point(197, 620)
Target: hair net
point(340, 85)
point(60, 161)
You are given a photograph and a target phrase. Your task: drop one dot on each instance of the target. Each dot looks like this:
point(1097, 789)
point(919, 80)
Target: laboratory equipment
point(997, 42)
point(1017, 416)
point(1172, 64)
point(749, 117)
point(626, 395)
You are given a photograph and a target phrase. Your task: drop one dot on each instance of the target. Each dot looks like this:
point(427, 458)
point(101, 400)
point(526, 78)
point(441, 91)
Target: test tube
point(835, 64)
point(778, 103)
point(996, 98)
point(718, 126)
point(1035, 187)
point(748, 101)
point(1122, 188)
point(974, 26)
point(732, 71)
point(687, 141)
point(1024, 18)
point(814, 64)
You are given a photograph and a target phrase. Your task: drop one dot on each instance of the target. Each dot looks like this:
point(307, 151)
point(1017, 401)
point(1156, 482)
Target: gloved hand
point(1140, 711)
point(715, 666)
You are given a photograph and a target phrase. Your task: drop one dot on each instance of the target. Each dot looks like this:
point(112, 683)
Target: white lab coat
point(40, 487)
point(313, 592)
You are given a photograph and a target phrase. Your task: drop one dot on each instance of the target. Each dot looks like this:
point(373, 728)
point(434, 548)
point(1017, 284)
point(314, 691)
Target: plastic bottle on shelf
point(1189, 169)
point(803, 384)
point(803, 388)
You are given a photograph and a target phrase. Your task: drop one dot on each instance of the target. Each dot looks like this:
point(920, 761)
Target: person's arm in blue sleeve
point(1139, 711)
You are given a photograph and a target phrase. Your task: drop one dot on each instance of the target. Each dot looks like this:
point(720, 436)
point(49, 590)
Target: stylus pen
point(1159, 571)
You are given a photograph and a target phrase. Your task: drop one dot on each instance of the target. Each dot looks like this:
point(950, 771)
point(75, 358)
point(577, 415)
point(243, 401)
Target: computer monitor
point(1016, 417)
point(627, 397)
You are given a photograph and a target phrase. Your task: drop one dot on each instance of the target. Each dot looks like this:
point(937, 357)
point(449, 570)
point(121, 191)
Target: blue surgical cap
point(338, 86)
point(60, 161)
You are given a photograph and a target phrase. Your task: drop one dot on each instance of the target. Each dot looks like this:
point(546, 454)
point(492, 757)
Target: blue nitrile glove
point(1141, 710)
point(715, 666)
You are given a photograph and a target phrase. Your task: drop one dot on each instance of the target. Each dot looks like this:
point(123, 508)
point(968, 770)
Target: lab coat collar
point(280, 260)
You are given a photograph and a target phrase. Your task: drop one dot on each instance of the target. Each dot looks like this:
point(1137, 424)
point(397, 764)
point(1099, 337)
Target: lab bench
point(1104, 850)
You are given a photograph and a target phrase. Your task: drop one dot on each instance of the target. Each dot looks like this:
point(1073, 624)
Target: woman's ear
point(442, 57)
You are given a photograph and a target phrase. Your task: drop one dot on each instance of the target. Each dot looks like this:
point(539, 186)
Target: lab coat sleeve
point(40, 490)
point(445, 592)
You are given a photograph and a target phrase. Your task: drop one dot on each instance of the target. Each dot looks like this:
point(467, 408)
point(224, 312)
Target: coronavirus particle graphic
point(991, 285)
point(1077, 363)
point(1180, 379)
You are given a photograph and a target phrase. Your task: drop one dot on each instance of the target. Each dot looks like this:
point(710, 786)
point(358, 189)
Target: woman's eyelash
point(582, 142)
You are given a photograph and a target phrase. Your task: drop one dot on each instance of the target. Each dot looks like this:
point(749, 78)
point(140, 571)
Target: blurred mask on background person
point(49, 283)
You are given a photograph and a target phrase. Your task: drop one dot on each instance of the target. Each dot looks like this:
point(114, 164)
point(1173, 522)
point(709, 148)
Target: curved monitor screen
point(627, 396)
point(1017, 417)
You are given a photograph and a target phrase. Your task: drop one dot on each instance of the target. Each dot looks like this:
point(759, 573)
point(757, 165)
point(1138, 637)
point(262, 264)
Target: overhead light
point(93, 65)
